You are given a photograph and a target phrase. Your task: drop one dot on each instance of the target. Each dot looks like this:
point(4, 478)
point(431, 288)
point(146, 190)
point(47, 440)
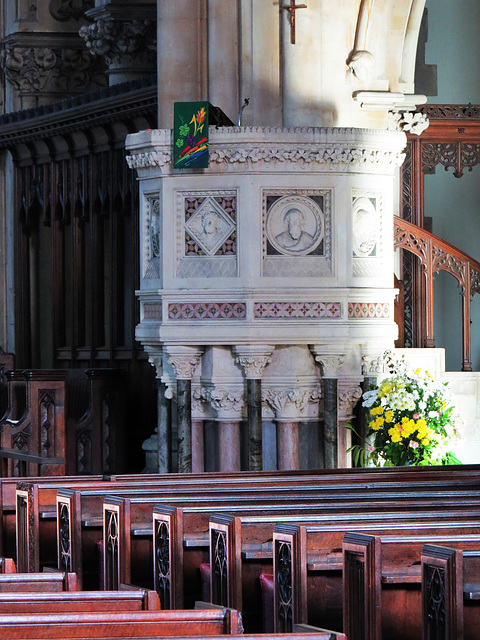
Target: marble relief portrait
point(364, 227)
point(295, 226)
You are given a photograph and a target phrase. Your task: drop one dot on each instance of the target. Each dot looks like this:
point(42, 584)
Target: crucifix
point(291, 8)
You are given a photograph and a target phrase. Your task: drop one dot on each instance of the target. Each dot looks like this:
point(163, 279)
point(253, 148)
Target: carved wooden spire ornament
point(291, 8)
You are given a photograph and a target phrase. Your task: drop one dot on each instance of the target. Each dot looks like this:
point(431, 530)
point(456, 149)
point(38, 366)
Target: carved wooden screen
point(451, 141)
point(77, 241)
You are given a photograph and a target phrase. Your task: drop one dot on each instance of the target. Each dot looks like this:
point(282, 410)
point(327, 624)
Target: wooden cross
point(291, 8)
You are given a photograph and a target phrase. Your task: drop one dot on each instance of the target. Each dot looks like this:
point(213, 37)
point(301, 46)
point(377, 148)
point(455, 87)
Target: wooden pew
point(79, 601)
point(210, 484)
point(450, 592)
point(34, 444)
point(40, 582)
point(312, 550)
point(134, 514)
point(69, 422)
point(145, 499)
point(7, 565)
point(111, 625)
point(383, 577)
point(7, 363)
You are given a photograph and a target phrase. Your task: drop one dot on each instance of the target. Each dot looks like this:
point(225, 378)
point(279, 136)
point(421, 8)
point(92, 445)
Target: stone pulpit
point(266, 284)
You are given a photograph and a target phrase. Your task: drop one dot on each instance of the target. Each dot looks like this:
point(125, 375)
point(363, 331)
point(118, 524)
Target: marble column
point(330, 364)
point(184, 360)
point(253, 360)
point(198, 447)
point(229, 446)
point(164, 434)
point(160, 442)
point(288, 449)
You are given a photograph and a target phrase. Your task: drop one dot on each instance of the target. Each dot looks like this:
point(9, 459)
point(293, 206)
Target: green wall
point(454, 203)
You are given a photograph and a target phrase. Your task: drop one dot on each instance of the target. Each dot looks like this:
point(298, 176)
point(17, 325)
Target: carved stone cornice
point(280, 149)
point(291, 403)
point(253, 359)
point(49, 64)
point(183, 360)
point(123, 43)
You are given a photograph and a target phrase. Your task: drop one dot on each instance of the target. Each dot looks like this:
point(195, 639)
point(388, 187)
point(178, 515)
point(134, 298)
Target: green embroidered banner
point(190, 135)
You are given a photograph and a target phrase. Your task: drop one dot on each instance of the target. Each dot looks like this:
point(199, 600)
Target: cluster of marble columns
point(324, 402)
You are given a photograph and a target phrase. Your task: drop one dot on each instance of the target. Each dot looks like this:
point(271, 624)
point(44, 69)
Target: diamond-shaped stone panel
point(210, 226)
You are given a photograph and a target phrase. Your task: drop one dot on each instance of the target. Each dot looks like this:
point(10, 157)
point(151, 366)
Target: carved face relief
point(364, 227)
point(209, 226)
point(295, 226)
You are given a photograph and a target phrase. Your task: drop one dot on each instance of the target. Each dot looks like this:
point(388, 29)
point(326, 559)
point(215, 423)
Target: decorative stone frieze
point(240, 149)
point(49, 65)
point(369, 310)
point(124, 44)
point(296, 309)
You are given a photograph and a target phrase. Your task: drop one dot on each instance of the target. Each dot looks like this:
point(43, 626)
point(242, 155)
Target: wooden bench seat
point(78, 601)
point(41, 582)
point(114, 625)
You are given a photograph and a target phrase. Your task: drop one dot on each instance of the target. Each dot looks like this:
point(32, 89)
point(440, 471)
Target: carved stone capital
point(291, 403)
point(372, 365)
point(330, 363)
point(411, 121)
point(122, 43)
point(253, 359)
point(228, 401)
point(183, 360)
point(155, 358)
point(348, 396)
point(58, 66)
point(65, 10)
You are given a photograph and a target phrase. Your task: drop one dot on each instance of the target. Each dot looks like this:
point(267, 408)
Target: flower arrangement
point(412, 421)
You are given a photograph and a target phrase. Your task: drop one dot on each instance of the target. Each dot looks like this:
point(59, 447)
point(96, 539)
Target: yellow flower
point(425, 441)
point(421, 422)
point(396, 437)
point(380, 420)
point(389, 416)
point(375, 411)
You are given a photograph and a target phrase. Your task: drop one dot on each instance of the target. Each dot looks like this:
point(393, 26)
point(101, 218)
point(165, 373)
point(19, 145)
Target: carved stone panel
point(367, 219)
point(297, 238)
point(152, 237)
point(206, 234)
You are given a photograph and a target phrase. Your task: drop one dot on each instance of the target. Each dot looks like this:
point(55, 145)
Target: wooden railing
point(437, 255)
